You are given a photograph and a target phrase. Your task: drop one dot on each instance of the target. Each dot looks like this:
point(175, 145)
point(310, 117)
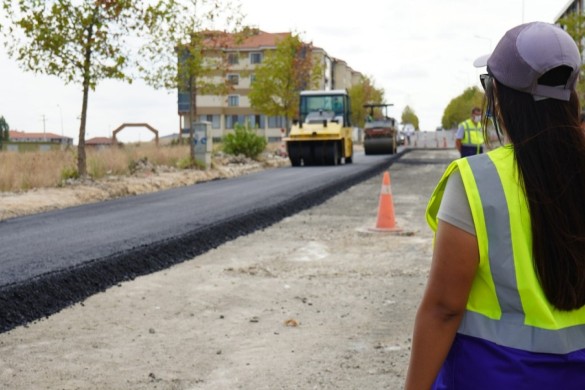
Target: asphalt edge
point(48, 294)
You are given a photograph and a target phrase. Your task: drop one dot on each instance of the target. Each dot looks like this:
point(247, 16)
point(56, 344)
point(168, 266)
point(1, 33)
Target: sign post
point(203, 143)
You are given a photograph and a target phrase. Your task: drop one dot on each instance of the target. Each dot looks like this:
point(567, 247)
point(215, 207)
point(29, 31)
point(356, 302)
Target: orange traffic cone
point(386, 221)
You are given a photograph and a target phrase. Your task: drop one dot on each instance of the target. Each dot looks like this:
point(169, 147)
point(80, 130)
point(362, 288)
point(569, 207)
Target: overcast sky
point(419, 52)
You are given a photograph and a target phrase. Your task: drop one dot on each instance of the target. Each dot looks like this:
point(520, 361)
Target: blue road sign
point(203, 141)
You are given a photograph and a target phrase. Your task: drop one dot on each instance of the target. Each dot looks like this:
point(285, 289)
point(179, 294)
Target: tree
point(4, 131)
point(409, 116)
point(186, 53)
point(364, 92)
point(283, 73)
point(81, 42)
point(574, 24)
point(460, 107)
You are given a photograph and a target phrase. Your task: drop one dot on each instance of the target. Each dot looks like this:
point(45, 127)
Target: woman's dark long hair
point(549, 149)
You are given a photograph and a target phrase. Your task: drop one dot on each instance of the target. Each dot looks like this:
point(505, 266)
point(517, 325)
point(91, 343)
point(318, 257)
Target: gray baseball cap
point(528, 51)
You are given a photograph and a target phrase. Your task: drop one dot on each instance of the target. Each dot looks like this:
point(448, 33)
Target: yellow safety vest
point(472, 135)
point(506, 304)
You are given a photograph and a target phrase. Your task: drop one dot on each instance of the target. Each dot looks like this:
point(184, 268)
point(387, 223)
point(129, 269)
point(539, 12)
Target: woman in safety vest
point(504, 307)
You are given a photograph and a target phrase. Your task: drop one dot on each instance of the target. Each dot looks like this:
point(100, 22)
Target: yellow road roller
point(323, 134)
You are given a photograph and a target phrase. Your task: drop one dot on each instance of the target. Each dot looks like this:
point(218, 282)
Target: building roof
point(262, 39)
point(15, 135)
point(253, 39)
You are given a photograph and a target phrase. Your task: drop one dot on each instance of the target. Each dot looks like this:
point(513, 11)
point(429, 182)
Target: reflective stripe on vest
point(472, 134)
point(506, 304)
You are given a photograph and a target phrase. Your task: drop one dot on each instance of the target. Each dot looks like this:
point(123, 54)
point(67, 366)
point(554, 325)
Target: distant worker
point(469, 138)
point(409, 133)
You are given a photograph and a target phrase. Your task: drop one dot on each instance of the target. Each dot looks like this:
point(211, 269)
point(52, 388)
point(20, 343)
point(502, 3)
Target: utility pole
point(44, 127)
point(61, 111)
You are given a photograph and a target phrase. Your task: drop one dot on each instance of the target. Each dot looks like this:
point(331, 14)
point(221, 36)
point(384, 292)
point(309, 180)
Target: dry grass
point(24, 171)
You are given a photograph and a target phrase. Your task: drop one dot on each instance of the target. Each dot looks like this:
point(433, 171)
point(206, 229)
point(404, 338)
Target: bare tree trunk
point(81, 157)
point(192, 111)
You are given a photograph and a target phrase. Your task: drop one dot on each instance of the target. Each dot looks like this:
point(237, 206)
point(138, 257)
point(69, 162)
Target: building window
point(233, 79)
point(233, 58)
point(255, 58)
point(252, 77)
point(214, 119)
point(231, 120)
point(233, 100)
point(256, 121)
point(275, 122)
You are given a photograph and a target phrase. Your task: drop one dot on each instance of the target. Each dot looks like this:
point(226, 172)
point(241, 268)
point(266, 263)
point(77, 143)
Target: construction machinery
point(323, 134)
point(381, 135)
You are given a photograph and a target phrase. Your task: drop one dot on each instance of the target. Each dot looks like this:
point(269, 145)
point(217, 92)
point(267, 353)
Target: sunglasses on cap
point(486, 81)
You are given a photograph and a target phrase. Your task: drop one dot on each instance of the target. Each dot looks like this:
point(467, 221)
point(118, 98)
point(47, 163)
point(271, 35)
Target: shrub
point(244, 140)
point(186, 163)
point(69, 173)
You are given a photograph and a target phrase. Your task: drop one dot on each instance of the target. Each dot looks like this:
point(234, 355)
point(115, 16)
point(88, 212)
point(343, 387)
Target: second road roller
point(381, 133)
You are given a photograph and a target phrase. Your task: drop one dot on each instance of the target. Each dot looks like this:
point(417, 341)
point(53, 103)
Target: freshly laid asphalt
point(52, 260)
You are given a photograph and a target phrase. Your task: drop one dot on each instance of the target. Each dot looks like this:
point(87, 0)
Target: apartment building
point(223, 112)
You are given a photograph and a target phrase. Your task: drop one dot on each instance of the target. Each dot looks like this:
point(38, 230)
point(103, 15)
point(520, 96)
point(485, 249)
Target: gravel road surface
point(315, 301)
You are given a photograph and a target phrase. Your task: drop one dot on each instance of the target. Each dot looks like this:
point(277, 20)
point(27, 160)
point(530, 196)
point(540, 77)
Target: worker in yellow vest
point(469, 138)
point(504, 306)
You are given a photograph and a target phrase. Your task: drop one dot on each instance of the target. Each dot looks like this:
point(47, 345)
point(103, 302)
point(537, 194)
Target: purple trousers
point(476, 364)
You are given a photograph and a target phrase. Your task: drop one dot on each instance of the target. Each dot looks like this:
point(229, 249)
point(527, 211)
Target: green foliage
point(4, 130)
point(409, 116)
point(68, 173)
point(185, 163)
point(574, 25)
point(79, 42)
point(459, 109)
point(189, 163)
point(364, 92)
point(280, 77)
point(244, 140)
point(186, 52)
point(82, 42)
point(186, 29)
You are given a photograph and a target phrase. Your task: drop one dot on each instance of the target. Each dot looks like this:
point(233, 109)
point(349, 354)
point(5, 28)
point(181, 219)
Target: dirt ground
point(317, 301)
